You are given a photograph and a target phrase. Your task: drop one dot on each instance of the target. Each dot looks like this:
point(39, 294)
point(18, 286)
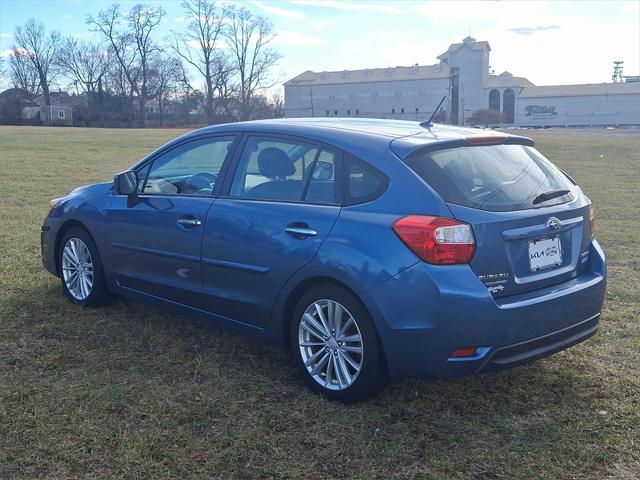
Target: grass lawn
point(132, 391)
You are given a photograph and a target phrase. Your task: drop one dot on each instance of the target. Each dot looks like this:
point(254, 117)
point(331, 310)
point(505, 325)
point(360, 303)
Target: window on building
point(402, 110)
point(494, 100)
point(393, 110)
point(348, 112)
point(417, 109)
point(508, 105)
point(357, 112)
point(327, 113)
point(335, 112)
point(60, 113)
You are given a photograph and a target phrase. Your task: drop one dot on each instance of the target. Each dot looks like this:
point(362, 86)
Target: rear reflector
point(437, 240)
point(464, 352)
point(592, 219)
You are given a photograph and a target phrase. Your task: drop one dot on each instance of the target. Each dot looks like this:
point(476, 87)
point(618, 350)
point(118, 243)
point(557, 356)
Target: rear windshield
point(499, 178)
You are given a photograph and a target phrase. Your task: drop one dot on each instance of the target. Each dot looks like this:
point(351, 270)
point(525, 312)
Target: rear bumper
point(426, 312)
point(530, 350)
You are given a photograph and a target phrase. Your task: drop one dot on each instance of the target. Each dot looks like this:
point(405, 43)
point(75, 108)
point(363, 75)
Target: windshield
point(498, 178)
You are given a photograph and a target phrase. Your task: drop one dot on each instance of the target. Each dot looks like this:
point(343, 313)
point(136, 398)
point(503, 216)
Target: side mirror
point(126, 183)
point(323, 171)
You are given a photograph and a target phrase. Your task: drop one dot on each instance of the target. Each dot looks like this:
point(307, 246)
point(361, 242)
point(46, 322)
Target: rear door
point(280, 205)
point(530, 222)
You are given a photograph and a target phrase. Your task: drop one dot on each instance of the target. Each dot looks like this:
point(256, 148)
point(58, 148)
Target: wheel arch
point(298, 290)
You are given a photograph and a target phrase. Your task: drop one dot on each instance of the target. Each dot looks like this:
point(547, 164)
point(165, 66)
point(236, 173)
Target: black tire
point(99, 294)
point(373, 374)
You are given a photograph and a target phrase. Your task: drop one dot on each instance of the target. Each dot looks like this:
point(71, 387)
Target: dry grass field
point(132, 391)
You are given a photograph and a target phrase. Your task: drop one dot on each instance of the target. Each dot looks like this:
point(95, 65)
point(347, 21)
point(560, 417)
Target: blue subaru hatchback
point(373, 248)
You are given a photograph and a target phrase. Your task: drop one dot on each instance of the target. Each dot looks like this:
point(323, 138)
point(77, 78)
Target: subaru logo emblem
point(553, 223)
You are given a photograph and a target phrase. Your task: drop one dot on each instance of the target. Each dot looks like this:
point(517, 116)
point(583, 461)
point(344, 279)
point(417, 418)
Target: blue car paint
point(247, 273)
point(438, 309)
point(150, 251)
point(247, 256)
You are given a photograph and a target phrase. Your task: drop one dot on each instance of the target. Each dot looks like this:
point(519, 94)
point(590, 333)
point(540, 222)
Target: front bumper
point(426, 312)
point(47, 246)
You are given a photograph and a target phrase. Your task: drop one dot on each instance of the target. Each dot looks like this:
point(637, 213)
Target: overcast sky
point(559, 42)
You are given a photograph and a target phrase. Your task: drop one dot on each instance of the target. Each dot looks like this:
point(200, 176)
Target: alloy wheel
point(77, 269)
point(330, 344)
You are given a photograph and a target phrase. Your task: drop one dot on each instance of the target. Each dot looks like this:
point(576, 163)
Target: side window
point(321, 186)
point(363, 182)
point(190, 169)
point(287, 170)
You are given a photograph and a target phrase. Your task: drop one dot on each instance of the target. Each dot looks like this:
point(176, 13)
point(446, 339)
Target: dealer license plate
point(544, 254)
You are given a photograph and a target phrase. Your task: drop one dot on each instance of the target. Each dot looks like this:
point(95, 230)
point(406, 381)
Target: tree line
point(220, 65)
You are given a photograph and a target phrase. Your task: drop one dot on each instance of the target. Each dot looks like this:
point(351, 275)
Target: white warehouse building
point(462, 76)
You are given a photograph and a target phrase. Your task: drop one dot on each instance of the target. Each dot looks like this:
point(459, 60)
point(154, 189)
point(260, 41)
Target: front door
point(155, 242)
point(282, 204)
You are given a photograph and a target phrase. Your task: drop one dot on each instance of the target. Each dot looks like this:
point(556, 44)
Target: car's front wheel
point(336, 346)
point(81, 270)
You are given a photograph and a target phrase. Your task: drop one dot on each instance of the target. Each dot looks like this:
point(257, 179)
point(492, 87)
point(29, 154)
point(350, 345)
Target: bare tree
point(248, 38)
point(129, 38)
point(32, 42)
point(165, 74)
point(123, 76)
point(83, 63)
point(22, 73)
point(278, 106)
point(199, 47)
point(225, 88)
point(142, 21)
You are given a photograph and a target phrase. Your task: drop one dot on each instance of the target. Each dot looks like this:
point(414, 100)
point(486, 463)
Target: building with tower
point(463, 76)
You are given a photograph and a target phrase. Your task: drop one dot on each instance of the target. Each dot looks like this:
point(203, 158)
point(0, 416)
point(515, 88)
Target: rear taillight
point(437, 240)
point(592, 219)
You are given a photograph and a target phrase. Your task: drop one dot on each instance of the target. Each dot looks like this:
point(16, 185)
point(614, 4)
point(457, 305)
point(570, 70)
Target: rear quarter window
point(492, 177)
point(363, 183)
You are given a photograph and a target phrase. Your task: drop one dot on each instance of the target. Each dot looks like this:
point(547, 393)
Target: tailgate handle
point(540, 229)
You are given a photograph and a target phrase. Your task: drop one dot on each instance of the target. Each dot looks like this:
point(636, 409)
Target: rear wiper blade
point(543, 197)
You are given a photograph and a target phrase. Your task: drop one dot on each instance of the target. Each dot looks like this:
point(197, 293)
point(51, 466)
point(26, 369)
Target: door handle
point(301, 231)
point(189, 222)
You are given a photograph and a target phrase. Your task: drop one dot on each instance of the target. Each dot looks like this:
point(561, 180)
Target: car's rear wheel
point(81, 270)
point(336, 346)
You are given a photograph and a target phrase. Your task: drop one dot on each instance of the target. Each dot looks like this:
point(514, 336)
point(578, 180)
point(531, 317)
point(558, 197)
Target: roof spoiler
point(486, 139)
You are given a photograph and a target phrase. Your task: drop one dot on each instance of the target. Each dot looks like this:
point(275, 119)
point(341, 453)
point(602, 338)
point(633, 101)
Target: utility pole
point(617, 71)
point(311, 98)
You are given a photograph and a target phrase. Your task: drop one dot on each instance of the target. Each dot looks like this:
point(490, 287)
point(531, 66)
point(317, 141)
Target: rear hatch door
point(530, 221)
point(522, 251)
